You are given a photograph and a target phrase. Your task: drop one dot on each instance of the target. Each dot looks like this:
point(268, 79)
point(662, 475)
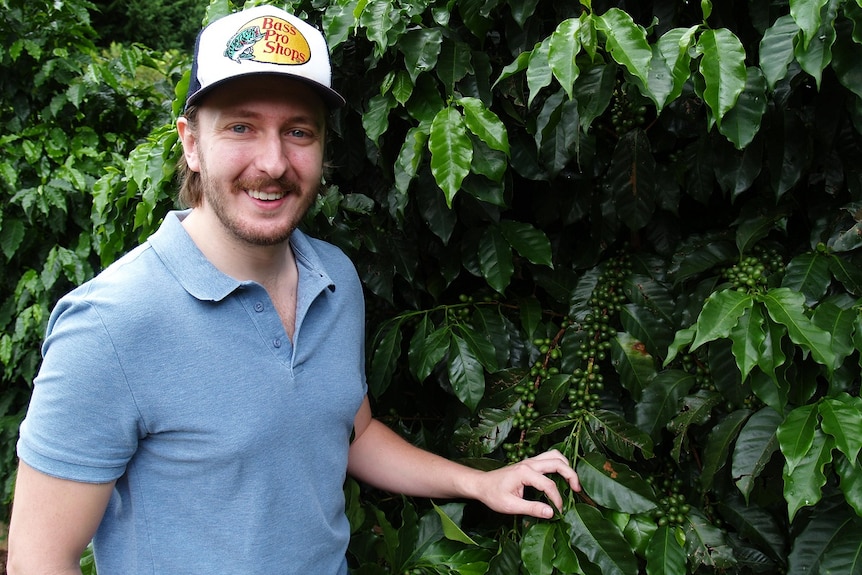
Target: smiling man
point(202, 400)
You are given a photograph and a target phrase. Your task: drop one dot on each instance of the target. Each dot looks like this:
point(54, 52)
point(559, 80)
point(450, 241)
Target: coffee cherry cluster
point(752, 272)
point(583, 393)
point(700, 369)
point(672, 508)
point(626, 111)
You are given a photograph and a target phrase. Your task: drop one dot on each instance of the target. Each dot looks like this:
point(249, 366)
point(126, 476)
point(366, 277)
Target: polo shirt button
point(258, 306)
point(276, 342)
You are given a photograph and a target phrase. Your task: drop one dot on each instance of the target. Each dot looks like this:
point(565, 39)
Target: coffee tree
point(627, 231)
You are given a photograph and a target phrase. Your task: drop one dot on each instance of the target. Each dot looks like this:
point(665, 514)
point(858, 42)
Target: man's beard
point(272, 235)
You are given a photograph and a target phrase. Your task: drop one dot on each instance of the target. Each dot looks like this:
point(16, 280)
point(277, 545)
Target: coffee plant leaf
point(529, 241)
point(809, 274)
point(722, 67)
point(721, 313)
point(495, 259)
point(850, 474)
point(719, 443)
point(427, 348)
point(848, 273)
point(786, 306)
point(563, 51)
point(664, 554)
point(451, 151)
point(756, 525)
point(841, 418)
point(539, 73)
point(593, 91)
point(845, 553)
point(803, 486)
point(537, 549)
point(618, 435)
point(661, 401)
point(706, 544)
point(634, 364)
point(466, 375)
point(614, 485)
point(755, 447)
point(825, 528)
point(839, 322)
point(742, 122)
point(807, 15)
point(485, 124)
point(421, 49)
point(776, 49)
point(626, 42)
point(633, 184)
point(387, 350)
point(651, 330)
point(674, 48)
point(599, 540)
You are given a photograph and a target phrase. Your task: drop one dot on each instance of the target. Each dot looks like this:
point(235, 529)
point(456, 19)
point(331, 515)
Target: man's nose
point(272, 156)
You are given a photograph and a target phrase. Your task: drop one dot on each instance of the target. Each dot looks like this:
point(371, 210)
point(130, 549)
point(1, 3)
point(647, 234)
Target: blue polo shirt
point(227, 441)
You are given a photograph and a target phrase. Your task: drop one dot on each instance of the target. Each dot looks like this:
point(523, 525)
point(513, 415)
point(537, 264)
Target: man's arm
point(382, 458)
point(52, 522)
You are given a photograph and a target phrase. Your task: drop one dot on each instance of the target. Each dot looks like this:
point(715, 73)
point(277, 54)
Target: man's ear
point(190, 144)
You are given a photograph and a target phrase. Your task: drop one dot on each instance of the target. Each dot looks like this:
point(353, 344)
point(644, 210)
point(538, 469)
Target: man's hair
point(190, 181)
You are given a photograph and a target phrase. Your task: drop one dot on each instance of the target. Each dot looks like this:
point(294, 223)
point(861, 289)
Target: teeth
point(258, 195)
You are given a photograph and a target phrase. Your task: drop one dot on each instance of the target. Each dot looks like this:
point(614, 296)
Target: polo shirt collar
point(200, 277)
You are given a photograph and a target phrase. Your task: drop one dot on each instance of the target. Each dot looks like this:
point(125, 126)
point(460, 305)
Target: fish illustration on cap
point(241, 46)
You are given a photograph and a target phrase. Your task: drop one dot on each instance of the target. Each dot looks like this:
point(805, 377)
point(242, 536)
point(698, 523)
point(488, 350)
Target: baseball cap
point(261, 40)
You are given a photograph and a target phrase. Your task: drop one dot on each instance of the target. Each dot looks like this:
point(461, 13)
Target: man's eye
point(239, 129)
point(298, 133)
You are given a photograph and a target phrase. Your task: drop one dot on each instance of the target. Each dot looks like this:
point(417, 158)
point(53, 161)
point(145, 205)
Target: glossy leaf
point(428, 346)
point(808, 273)
point(485, 124)
point(465, 373)
point(661, 400)
point(785, 307)
point(537, 549)
point(619, 435)
point(421, 48)
point(754, 448)
point(796, 435)
point(528, 241)
point(664, 554)
point(719, 316)
point(776, 49)
point(742, 122)
point(539, 73)
point(651, 330)
point(718, 446)
point(612, 484)
point(850, 474)
point(803, 485)
point(562, 52)
point(722, 65)
point(748, 336)
point(495, 259)
point(842, 420)
point(626, 42)
point(633, 184)
point(806, 14)
point(635, 366)
point(600, 540)
point(451, 152)
point(666, 81)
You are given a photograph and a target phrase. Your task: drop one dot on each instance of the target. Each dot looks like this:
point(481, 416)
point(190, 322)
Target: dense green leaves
point(627, 231)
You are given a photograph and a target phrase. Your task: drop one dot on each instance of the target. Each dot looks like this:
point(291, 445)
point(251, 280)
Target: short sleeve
point(82, 423)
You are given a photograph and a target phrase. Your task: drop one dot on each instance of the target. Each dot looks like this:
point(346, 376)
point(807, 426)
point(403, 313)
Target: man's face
point(259, 151)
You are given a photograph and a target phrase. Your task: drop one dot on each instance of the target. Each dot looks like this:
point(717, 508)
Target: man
point(201, 401)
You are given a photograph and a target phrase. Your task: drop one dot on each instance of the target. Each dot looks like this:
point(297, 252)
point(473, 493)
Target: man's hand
point(503, 489)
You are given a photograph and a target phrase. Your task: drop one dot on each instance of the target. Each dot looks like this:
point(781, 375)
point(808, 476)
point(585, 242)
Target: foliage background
point(625, 230)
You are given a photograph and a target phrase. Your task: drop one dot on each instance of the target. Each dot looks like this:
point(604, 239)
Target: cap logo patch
point(269, 40)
